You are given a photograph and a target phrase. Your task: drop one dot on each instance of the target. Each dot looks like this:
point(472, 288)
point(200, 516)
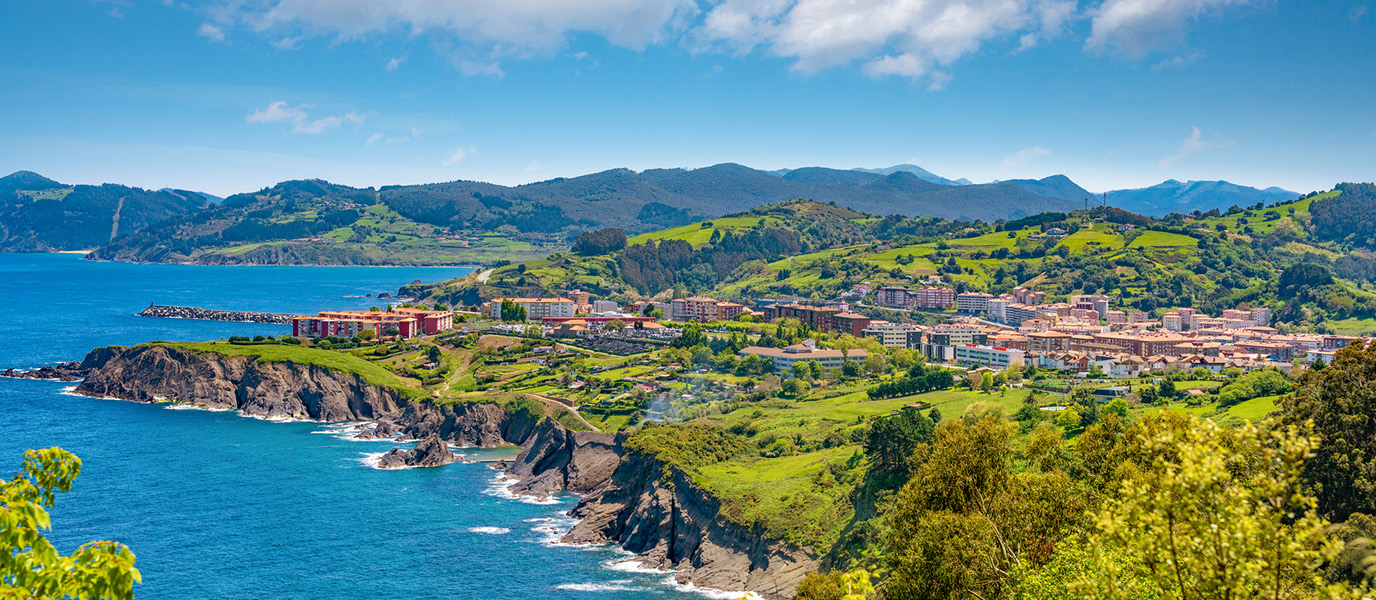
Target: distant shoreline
point(192, 264)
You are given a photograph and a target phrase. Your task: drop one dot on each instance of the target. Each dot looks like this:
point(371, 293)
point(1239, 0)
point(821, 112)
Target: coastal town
point(1078, 335)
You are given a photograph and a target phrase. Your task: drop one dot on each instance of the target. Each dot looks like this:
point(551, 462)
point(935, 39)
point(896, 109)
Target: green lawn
point(695, 233)
point(1161, 239)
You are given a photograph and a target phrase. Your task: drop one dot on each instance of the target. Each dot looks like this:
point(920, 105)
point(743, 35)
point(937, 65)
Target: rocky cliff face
point(270, 389)
point(658, 513)
point(632, 500)
point(281, 389)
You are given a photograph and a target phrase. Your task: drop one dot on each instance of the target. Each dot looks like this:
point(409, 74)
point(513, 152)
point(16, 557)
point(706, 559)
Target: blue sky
point(227, 96)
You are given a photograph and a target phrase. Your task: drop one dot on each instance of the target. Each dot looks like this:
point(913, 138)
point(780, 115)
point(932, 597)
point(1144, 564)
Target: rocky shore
point(430, 452)
point(69, 371)
point(192, 312)
point(632, 500)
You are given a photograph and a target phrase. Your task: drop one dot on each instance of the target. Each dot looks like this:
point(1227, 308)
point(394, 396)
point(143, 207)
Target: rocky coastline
point(68, 371)
point(632, 500)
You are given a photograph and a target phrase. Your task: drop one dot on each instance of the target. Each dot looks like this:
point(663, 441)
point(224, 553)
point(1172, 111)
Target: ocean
point(220, 506)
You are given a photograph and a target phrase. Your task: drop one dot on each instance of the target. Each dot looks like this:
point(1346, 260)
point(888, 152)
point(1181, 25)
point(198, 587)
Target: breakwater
point(203, 314)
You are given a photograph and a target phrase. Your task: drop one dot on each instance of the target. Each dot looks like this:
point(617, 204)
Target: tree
point(512, 312)
point(966, 519)
point(986, 382)
point(800, 370)
point(600, 241)
point(850, 368)
point(1166, 389)
point(535, 331)
point(1214, 512)
point(891, 442)
point(875, 363)
point(1341, 402)
point(616, 325)
point(367, 335)
point(30, 567)
point(815, 368)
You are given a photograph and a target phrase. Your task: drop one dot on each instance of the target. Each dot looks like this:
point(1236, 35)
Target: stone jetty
point(203, 314)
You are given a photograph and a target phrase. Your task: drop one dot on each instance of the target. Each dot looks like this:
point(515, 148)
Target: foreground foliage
point(30, 567)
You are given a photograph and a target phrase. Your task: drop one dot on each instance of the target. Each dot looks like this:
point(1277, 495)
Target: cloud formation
point(1024, 156)
point(301, 121)
point(1193, 143)
point(912, 39)
point(1136, 28)
point(459, 154)
point(211, 32)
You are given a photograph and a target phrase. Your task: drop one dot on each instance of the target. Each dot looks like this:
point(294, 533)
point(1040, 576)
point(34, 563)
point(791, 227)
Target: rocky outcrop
point(68, 371)
point(555, 459)
point(430, 452)
point(659, 514)
point(210, 380)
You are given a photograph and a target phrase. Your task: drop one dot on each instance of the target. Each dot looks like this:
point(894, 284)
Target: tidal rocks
point(430, 452)
point(69, 371)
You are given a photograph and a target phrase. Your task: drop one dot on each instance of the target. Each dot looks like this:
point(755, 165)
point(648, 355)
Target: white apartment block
point(986, 356)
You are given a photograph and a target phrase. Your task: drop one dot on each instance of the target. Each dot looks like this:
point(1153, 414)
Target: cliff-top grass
point(326, 359)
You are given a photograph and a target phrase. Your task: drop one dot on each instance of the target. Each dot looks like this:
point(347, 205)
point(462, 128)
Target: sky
point(228, 96)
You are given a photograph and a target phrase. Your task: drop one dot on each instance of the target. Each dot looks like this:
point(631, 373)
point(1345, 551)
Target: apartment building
point(973, 302)
point(536, 308)
point(988, 356)
point(890, 335)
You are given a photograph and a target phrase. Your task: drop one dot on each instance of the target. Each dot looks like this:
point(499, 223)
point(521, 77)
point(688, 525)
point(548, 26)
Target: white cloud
point(910, 39)
point(533, 166)
point(1135, 28)
point(1357, 12)
point(278, 112)
point(301, 121)
point(1177, 62)
point(211, 32)
point(1024, 156)
point(387, 141)
point(903, 38)
point(396, 63)
point(1193, 143)
point(487, 30)
point(459, 154)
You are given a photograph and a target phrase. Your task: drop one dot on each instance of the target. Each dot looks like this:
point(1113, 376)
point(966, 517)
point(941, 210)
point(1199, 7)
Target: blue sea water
point(220, 506)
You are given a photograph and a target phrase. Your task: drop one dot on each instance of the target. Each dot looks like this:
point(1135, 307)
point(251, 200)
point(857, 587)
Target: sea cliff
point(630, 499)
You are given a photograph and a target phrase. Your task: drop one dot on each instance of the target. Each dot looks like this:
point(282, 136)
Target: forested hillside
point(38, 214)
point(316, 222)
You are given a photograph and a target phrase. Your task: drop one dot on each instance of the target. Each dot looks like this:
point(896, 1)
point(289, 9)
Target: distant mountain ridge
point(38, 214)
point(1183, 197)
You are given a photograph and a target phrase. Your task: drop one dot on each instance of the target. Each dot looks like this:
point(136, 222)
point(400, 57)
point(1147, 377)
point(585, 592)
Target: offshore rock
point(430, 452)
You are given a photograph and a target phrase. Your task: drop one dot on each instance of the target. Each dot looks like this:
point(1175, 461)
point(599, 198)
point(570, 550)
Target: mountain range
point(39, 214)
point(1184, 197)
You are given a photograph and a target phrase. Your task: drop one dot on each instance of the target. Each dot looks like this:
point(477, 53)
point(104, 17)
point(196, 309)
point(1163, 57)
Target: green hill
point(1210, 261)
point(316, 222)
point(38, 214)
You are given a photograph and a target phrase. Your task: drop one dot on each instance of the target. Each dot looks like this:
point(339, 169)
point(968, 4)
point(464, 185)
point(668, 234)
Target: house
point(1104, 394)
